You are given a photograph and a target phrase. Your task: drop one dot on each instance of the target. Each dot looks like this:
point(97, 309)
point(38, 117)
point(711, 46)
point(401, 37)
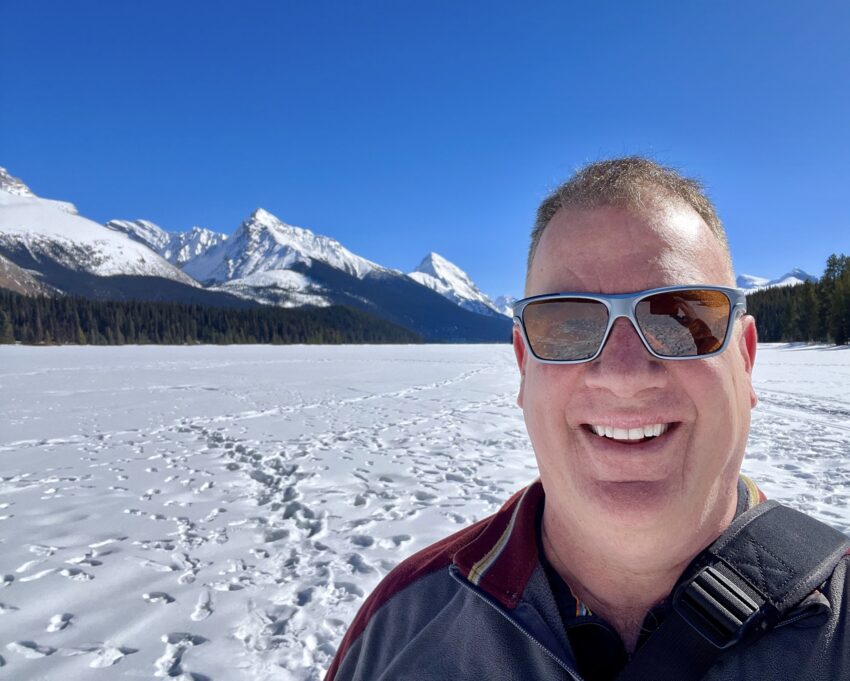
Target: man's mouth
point(643, 433)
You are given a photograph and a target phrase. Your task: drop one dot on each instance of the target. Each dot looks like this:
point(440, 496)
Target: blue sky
point(405, 127)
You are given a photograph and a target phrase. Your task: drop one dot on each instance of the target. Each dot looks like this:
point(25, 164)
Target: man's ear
point(521, 356)
point(747, 344)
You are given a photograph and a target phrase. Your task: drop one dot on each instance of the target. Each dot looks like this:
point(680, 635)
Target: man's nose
point(625, 366)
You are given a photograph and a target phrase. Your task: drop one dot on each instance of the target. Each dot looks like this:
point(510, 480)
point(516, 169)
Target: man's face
point(685, 479)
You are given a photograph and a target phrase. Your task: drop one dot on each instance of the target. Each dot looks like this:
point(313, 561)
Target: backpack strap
point(767, 561)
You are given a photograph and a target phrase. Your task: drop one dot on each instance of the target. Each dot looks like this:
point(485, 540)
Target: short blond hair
point(627, 182)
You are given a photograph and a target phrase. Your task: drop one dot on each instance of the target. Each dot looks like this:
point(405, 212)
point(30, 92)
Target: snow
point(265, 243)
point(176, 247)
point(751, 283)
point(151, 235)
point(53, 230)
point(284, 288)
point(453, 283)
point(222, 511)
point(13, 185)
point(505, 305)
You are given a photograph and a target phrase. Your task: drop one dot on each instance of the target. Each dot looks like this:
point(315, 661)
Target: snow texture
point(453, 283)
point(53, 230)
point(221, 512)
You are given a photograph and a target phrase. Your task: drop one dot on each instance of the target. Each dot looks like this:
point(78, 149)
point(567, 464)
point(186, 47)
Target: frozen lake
point(220, 512)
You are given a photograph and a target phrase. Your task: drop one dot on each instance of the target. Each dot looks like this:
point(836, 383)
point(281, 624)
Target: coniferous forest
point(66, 319)
point(810, 312)
point(818, 311)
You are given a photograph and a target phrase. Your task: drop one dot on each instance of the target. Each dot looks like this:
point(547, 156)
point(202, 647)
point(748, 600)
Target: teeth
point(652, 430)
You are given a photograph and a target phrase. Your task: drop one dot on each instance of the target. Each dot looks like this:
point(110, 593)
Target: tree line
point(74, 320)
point(813, 311)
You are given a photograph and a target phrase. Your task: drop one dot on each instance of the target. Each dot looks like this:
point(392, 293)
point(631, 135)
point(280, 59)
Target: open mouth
point(630, 436)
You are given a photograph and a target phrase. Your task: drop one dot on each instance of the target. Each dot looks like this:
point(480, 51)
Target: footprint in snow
point(76, 574)
point(104, 655)
point(6, 580)
point(5, 608)
point(59, 622)
point(157, 597)
point(86, 559)
point(30, 649)
point(42, 550)
point(362, 540)
point(204, 607)
point(395, 541)
point(176, 645)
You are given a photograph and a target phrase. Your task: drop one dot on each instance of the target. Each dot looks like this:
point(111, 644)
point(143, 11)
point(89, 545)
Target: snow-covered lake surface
point(220, 512)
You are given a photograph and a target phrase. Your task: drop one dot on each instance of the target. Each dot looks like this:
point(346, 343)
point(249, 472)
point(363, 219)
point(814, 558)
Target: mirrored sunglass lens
point(565, 329)
point(684, 323)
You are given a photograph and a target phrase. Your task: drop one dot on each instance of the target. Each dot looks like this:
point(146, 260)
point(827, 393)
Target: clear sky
point(400, 128)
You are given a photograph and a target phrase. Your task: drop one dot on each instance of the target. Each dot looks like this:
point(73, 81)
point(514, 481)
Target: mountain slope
point(51, 230)
point(19, 280)
point(177, 248)
point(399, 299)
point(453, 283)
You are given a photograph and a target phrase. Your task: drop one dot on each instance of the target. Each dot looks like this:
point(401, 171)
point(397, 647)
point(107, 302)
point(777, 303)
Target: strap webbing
point(767, 561)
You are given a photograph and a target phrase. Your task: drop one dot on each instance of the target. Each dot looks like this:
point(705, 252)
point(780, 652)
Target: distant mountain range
point(751, 283)
point(46, 246)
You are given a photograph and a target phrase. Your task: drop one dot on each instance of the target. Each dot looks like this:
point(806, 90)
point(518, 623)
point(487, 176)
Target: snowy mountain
point(48, 247)
point(751, 283)
point(453, 283)
point(263, 243)
point(12, 185)
point(178, 248)
point(266, 261)
point(38, 230)
point(505, 305)
point(269, 261)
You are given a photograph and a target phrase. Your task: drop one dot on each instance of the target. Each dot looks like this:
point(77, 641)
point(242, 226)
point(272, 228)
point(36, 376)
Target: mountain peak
point(436, 265)
point(447, 279)
point(262, 216)
point(13, 185)
point(264, 243)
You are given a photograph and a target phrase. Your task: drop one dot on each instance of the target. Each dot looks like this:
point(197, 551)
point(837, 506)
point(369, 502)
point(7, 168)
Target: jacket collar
point(502, 557)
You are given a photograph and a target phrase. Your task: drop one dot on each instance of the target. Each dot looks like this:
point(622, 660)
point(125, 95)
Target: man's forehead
point(612, 249)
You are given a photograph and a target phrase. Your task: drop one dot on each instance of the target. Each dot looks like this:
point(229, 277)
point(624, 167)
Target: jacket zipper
point(525, 632)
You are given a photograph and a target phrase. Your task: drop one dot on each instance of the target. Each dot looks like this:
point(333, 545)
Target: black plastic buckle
point(716, 607)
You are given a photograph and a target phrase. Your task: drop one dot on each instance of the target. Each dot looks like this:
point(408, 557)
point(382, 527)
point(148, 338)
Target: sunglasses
point(675, 322)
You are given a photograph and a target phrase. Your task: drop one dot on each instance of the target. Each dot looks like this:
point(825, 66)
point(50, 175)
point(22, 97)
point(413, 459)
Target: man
point(638, 409)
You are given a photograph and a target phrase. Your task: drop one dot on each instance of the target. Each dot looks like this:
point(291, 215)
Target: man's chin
point(633, 503)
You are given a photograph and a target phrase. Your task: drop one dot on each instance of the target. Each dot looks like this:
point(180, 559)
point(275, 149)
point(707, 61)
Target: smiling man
point(641, 552)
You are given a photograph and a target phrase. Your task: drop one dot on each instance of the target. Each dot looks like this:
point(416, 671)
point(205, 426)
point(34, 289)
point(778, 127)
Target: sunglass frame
point(625, 305)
